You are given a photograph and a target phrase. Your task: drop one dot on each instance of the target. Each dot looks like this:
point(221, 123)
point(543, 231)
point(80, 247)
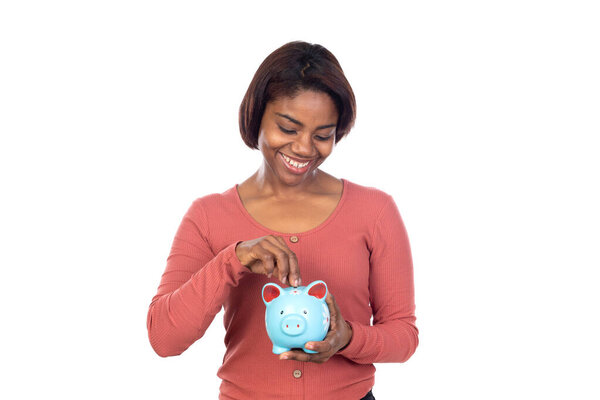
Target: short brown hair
point(293, 67)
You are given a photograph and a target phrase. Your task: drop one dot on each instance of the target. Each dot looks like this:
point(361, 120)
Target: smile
point(295, 166)
point(295, 163)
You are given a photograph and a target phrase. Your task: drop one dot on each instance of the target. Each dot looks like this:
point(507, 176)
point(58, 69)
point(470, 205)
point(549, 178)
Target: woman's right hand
point(269, 255)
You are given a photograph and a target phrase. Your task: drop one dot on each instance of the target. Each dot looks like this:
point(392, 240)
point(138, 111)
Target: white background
point(480, 118)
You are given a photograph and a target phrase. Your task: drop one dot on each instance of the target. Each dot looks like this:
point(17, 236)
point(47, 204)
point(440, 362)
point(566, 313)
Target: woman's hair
point(291, 68)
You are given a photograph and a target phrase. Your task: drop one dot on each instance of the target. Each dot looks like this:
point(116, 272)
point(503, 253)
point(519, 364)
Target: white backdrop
point(479, 118)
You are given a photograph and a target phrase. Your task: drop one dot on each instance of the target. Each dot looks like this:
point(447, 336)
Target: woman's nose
point(303, 146)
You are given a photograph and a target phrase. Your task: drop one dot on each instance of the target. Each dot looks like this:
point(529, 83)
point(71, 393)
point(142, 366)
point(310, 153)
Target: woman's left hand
point(339, 335)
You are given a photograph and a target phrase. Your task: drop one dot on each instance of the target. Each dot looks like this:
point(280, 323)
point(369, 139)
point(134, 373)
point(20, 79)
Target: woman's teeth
point(294, 163)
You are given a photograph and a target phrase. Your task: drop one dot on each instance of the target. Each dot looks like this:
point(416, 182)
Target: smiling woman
point(291, 222)
point(294, 67)
point(299, 130)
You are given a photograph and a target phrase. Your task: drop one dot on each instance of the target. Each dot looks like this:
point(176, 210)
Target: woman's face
point(302, 129)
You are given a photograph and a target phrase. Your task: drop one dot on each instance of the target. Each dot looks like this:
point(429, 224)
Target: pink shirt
point(361, 251)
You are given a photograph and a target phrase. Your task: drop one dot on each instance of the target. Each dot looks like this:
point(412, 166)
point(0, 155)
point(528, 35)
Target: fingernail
point(284, 279)
point(284, 357)
point(296, 282)
point(309, 346)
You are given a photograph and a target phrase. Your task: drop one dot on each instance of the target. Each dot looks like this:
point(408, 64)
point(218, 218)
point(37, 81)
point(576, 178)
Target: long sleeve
point(193, 288)
point(394, 335)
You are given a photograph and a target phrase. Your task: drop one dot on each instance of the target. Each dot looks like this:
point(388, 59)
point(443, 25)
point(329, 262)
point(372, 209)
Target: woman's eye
point(286, 130)
point(290, 131)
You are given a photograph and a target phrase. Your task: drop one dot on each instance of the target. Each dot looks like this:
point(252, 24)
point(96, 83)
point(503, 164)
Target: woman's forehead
point(306, 107)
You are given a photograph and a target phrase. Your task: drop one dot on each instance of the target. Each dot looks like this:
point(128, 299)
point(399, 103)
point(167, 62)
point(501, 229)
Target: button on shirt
point(294, 239)
point(297, 373)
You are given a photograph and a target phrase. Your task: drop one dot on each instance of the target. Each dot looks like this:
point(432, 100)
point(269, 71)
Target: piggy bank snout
point(293, 325)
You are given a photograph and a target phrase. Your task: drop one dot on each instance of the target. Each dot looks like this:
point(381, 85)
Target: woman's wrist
point(349, 335)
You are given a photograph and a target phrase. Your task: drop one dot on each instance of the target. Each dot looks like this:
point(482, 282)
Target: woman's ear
point(270, 292)
point(317, 289)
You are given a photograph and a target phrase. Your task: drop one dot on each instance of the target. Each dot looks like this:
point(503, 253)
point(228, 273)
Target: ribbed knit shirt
point(361, 251)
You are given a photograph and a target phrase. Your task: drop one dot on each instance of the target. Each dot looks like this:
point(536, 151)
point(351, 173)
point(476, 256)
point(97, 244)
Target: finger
point(290, 257)
point(297, 355)
point(323, 346)
point(334, 311)
point(327, 347)
point(294, 272)
point(267, 259)
point(280, 256)
point(332, 307)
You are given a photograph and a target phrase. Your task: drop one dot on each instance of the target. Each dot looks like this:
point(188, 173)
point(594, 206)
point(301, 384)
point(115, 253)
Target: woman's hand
point(339, 335)
point(269, 255)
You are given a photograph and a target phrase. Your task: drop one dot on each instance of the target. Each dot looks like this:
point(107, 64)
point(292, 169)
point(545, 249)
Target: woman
point(292, 223)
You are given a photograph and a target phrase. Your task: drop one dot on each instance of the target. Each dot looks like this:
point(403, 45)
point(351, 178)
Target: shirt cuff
point(238, 270)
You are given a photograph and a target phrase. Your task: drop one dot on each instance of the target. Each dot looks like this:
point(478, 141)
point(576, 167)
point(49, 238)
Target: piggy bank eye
point(305, 311)
point(281, 312)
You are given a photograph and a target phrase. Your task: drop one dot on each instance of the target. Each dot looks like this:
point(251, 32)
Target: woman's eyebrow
point(301, 124)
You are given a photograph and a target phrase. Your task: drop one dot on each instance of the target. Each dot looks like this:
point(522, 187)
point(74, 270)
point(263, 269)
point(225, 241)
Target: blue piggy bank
point(295, 316)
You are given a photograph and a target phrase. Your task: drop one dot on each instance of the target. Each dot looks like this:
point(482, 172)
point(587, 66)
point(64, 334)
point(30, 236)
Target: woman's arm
point(193, 288)
point(393, 336)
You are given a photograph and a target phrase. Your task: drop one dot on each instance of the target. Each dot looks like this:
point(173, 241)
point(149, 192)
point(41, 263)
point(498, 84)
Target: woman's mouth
point(294, 166)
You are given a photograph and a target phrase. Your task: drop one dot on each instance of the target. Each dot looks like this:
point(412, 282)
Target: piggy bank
point(295, 315)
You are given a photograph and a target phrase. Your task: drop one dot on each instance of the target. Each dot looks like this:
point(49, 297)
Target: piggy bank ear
point(317, 289)
point(270, 292)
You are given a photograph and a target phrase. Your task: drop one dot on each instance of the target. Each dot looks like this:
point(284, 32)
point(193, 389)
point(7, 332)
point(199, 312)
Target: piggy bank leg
point(279, 349)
